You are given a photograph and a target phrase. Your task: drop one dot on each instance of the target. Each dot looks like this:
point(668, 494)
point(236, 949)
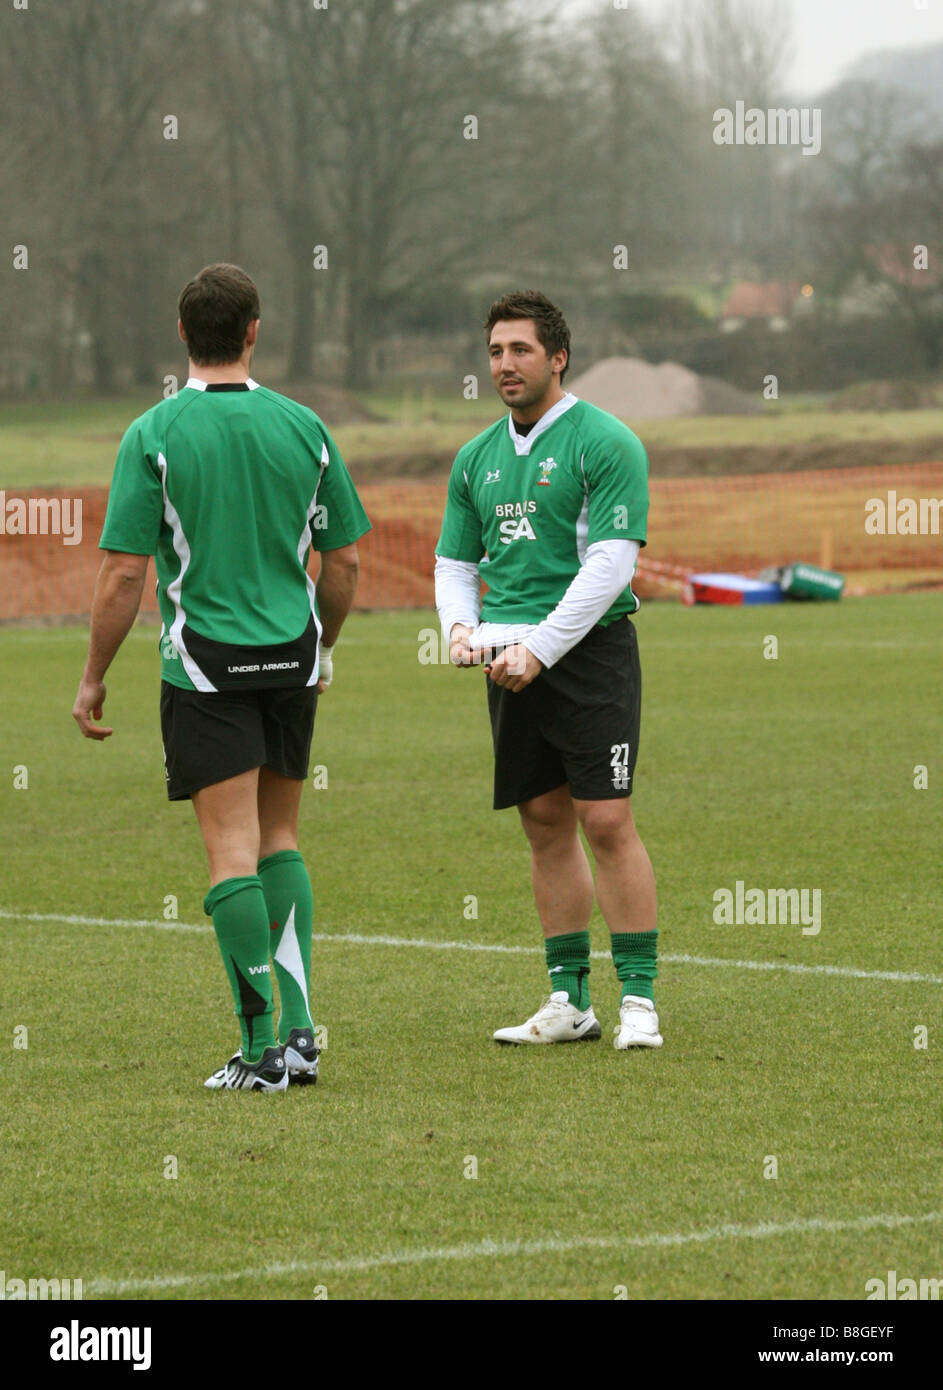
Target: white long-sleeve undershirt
point(606, 571)
point(457, 587)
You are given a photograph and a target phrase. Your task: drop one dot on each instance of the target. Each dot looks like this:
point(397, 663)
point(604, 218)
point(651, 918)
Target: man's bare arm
point(116, 601)
point(337, 584)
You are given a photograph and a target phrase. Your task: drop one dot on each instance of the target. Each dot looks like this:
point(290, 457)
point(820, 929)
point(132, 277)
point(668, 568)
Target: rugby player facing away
point(229, 485)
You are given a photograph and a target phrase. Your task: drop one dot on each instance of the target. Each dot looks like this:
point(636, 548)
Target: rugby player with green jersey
point(229, 486)
point(549, 507)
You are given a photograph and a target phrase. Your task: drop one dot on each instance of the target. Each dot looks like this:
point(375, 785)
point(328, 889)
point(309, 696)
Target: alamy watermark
point(435, 648)
point(902, 516)
point(77, 1343)
point(769, 907)
point(42, 516)
point(792, 125)
point(37, 1290)
point(902, 1288)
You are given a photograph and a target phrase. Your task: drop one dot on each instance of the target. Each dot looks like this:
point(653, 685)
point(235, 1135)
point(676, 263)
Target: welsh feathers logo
point(546, 467)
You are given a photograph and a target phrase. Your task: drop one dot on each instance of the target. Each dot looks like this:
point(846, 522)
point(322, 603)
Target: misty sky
point(829, 34)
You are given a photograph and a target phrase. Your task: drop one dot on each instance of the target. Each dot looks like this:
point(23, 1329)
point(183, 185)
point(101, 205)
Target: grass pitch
point(74, 443)
point(597, 1171)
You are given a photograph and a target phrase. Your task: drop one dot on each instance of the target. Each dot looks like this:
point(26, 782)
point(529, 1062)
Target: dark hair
point(552, 332)
point(216, 307)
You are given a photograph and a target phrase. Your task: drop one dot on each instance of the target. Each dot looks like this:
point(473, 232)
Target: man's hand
point(460, 653)
point(114, 606)
point(88, 705)
point(515, 668)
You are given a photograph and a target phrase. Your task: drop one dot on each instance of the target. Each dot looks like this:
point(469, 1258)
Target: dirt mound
point(634, 389)
point(720, 398)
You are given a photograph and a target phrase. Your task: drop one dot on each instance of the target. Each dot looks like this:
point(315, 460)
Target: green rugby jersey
point(526, 508)
point(228, 487)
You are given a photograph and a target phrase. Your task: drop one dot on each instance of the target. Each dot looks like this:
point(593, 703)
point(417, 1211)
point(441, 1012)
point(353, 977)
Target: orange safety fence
point(741, 524)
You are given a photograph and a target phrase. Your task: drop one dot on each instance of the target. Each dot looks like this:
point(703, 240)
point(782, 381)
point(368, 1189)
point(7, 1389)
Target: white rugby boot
point(638, 1024)
point(557, 1021)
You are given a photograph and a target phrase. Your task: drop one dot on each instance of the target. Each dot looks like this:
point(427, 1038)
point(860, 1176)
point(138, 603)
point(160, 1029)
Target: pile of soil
point(634, 389)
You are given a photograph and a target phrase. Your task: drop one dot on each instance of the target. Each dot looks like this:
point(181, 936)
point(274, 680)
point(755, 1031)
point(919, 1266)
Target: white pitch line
point(72, 920)
point(849, 972)
point(493, 1249)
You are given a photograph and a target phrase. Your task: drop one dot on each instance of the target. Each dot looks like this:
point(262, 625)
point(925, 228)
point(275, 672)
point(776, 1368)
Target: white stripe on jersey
point(582, 521)
point(182, 549)
point(304, 540)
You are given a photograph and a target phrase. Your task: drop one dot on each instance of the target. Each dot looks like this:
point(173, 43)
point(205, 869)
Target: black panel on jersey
point(281, 666)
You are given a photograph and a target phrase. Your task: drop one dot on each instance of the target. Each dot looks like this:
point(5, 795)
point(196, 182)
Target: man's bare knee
point(550, 819)
point(608, 825)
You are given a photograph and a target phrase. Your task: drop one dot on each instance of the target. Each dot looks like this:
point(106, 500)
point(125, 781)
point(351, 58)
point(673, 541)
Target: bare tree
point(357, 117)
point(94, 75)
point(733, 48)
point(729, 51)
point(878, 195)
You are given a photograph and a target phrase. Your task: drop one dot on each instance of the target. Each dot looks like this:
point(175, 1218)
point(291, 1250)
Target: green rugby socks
point(568, 965)
point(237, 907)
point(290, 905)
point(634, 954)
